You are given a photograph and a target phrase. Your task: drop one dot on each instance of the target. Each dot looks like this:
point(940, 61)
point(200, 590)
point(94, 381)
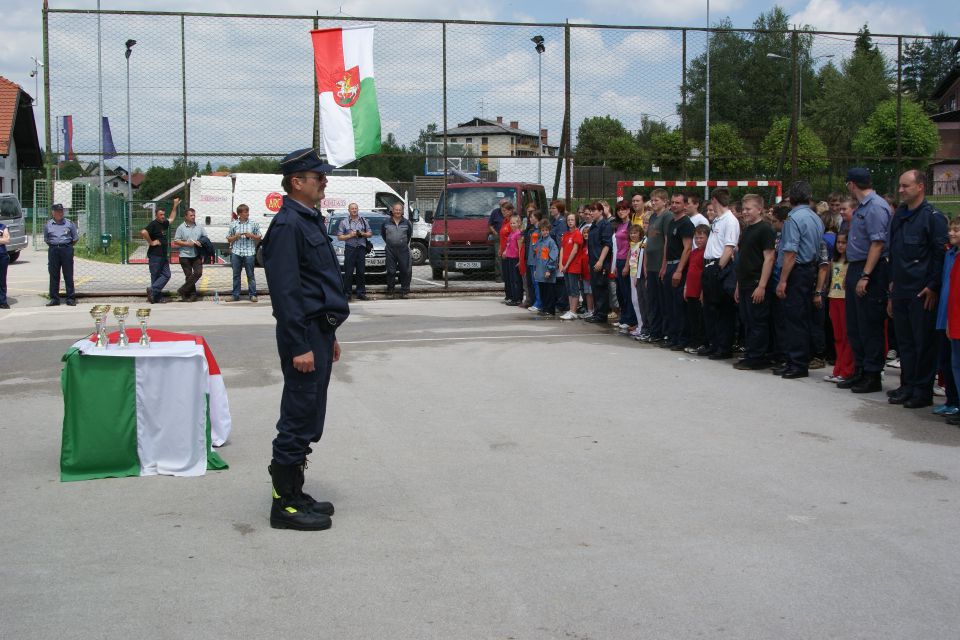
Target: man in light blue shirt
point(60, 235)
point(187, 240)
point(797, 257)
point(867, 283)
point(243, 237)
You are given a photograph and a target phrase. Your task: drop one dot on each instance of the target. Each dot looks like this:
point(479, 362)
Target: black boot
point(853, 380)
point(288, 511)
point(324, 508)
point(870, 383)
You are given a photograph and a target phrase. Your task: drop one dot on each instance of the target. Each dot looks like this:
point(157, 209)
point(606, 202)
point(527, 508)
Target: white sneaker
point(533, 308)
point(892, 354)
point(894, 364)
point(585, 315)
point(939, 391)
point(569, 315)
point(832, 378)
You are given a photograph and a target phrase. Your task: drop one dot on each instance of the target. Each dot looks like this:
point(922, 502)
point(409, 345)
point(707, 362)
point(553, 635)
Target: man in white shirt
point(719, 281)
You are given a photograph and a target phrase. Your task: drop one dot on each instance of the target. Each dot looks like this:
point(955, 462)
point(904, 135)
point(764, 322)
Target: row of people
point(772, 276)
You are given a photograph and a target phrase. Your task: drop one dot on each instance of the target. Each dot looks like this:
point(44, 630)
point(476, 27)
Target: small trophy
point(143, 314)
point(95, 314)
point(120, 313)
point(102, 339)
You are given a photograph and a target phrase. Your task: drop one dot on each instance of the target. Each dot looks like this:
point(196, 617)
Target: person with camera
point(354, 231)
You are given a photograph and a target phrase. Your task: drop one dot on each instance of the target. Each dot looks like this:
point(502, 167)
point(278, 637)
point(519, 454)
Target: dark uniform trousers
point(303, 403)
point(600, 284)
point(354, 262)
point(399, 259)
point(192, 272)
point(719, 309)
point(756, 322)
point(796, 316)
point(675, 327)
point(60, 258)
point(917, 339)
point(866, 315)
point(654, 302)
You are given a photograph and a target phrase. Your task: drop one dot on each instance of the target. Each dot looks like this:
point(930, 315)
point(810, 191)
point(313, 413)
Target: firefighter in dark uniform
point(306, 292)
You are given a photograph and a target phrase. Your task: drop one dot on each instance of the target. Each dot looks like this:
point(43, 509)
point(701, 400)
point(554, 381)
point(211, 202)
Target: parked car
point(11, 214)
point(376, 263)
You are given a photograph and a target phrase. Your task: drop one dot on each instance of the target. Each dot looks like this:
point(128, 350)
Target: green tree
point(70, 169)
point(593, 138)
point(428, 134)
point(159, 179)
point(624, 154)
point(257, 164)
point(878, 136)
point(925, 64)
point(811, 152)
point(728, 153)
point(848, 96)
point(670, 152)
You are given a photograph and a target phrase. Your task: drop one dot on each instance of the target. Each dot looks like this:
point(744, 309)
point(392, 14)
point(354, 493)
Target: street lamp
point(800, 88)
point(129, 45)
point(538, 46)
point(37, 65)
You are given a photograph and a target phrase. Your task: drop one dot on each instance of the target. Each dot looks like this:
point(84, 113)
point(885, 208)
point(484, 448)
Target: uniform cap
point(57, 207)
point(304, 160)
point(858, 175)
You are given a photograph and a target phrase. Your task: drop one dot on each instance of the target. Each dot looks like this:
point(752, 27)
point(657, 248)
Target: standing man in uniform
point(797, 254)
point(867, 283)
point(599, 249)
point(918, 234)
point(354, 232)
point(396, 233)
point(60, 235)
point(187, 239)
point(155, 233)
point(309, 303)
point(243, 237)
point(719, 309)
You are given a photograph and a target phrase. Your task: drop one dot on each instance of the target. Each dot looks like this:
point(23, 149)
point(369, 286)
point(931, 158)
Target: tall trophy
point(143, 314)
point(99, 313)
point(120, 313)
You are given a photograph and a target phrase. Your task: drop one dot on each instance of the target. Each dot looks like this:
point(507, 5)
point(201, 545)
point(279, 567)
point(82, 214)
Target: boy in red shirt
point(693, 291)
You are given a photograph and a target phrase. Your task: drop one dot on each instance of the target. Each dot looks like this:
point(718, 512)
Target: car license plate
point(466, 265)
point(376, 262)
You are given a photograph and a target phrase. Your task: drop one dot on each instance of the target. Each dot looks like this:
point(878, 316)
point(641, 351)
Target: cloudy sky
point(619, 54)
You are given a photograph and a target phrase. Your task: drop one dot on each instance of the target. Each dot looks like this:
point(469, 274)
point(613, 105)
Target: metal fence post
point(567, 152)
point(46, 108)
point(795, 46)
point(446, 174)
point(683, 103)
point(316, 100)
point(899, 101)
point(183, 88)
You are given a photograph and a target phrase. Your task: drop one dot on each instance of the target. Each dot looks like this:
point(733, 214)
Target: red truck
point(460, 238)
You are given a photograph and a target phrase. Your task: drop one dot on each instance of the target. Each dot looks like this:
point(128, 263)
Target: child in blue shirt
point(546, 256)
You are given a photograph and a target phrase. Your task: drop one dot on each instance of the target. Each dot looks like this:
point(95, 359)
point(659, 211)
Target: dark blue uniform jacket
point(917, 244)
point(303, 275)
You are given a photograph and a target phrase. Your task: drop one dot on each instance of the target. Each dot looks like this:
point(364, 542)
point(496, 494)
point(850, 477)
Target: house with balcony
point(19, 144)
point(946, 167)
point(489, 139)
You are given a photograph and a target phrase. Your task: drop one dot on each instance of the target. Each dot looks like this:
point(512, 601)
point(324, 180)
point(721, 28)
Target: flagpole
point(103, 218)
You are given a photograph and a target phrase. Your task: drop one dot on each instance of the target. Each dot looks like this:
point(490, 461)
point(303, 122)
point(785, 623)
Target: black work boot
point(306, 501)
point(853, 380)
point(870, 383)
point(287, 510)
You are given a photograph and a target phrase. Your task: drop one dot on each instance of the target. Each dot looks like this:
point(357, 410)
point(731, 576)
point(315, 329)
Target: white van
point(264, 195)
point(11, 215)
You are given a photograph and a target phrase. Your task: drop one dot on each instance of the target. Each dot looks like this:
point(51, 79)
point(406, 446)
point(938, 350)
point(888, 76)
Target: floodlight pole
point(539, 48)
point(706, 139)
point(123, 241)
point(103, 217)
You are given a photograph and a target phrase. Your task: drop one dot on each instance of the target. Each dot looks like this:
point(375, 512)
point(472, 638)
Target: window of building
point(484, 140)
point(468, 140)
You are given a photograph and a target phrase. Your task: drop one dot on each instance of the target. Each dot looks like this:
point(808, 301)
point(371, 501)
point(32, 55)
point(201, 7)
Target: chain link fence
point(566, 116)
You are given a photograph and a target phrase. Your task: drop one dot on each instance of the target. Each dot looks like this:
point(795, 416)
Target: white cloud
point(881, 17)
point(673, 12)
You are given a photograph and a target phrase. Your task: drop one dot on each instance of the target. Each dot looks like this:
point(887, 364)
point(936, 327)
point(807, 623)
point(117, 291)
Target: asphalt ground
point(28, 276)
point(496, 475)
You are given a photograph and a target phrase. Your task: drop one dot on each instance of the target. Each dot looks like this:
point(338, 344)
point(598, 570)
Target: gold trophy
point(99, 314)
point(120, 313)
point(143, 314)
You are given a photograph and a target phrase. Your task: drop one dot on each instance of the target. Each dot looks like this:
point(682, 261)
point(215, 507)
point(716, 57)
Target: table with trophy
point(139, 401)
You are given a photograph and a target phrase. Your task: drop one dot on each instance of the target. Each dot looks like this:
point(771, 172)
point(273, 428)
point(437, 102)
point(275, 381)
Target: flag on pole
point(144, 411)
point(348, 96)
point(66, 128)
point(109, 151)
